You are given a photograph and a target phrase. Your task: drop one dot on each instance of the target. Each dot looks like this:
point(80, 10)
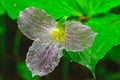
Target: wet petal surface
point(78, 36)
point(42, 58)
point(35, 23)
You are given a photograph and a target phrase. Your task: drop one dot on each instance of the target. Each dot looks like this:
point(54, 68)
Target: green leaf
point(61, 8)
point(13, 7)
point(108, 28)
point(2, 11)
point(77, 7)
point(25, 73)
point(57, 9)
point(105, 6)
point(92, 7)
point(118, 42)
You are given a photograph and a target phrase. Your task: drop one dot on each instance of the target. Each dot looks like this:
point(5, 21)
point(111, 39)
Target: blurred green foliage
point(107, 26)
point(2, 30)
point(25, 73)
point(114, 54)
point(1, 78)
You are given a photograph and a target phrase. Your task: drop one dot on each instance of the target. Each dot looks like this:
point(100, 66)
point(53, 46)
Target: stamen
point(58, 34)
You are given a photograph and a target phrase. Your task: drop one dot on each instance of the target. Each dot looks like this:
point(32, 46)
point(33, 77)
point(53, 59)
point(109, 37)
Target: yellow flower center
point(58, 34)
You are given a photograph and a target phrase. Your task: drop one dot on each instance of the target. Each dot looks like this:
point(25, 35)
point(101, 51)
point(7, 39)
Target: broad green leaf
point(61, 8)
point(2, 11)
point(108, 29)
point(118, 42)
point(25, 73)
point(13, 7)
point(104, 6)
point(77, 7)
point(56, 8)
point(92, 7)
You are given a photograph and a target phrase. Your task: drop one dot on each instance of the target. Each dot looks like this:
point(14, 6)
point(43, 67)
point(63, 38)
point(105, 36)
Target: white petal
point(35, 23)
point(78, 36)
point(42, 58)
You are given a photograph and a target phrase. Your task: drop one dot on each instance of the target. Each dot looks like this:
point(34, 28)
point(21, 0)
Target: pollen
point(58, 34)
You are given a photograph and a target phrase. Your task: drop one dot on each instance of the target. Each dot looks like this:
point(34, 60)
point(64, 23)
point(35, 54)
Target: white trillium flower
point(50, 39)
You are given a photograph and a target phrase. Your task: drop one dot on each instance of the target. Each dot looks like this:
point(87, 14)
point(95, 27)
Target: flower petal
point(42, 58)
point(35, 23)
point(78, 36)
